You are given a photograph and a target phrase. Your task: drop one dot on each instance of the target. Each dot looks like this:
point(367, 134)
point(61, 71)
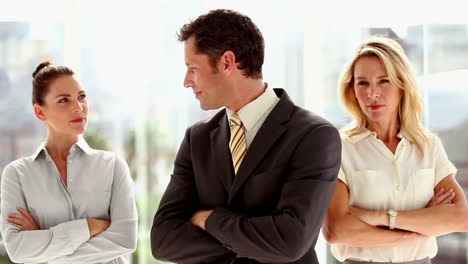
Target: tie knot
point(235, 119)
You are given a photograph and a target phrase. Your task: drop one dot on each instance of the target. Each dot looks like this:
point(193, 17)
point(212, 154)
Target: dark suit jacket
point(270, 212)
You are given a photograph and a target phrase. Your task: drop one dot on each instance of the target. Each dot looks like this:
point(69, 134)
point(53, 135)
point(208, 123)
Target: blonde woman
point(396, 190)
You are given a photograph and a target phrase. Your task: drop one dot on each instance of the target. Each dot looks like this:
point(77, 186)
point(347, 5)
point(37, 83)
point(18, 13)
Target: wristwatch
point(392, 214)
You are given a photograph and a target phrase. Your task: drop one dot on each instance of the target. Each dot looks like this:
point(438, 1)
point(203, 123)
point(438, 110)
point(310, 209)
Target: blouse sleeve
point(342, 175)
point(121, 236)
point(35, 246)
point(443, 167)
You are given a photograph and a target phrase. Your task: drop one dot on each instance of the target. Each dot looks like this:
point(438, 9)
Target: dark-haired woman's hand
point(97, 226)
point(24, 221)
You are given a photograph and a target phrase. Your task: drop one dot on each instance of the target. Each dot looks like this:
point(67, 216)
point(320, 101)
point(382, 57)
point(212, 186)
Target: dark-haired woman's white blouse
point(98, 186)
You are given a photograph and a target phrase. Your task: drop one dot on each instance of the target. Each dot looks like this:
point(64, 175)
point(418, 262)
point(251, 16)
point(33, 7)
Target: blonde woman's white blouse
point(377, 179)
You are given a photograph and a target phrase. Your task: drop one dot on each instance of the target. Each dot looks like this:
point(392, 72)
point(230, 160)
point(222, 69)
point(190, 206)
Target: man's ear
point(39, 112)
point(228, 61)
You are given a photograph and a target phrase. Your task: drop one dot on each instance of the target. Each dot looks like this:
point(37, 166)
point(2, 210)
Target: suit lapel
point(269, 133)
point(221, 153)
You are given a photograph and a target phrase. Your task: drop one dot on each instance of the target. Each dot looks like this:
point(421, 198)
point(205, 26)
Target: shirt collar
point(39, 151)
point(402, 134)
point(80, 144)
point(357, 137)
point(83, 145)
point(251, 113)
point(366, 133)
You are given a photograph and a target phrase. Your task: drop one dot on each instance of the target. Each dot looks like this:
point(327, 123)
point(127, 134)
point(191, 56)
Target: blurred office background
point(127, 56)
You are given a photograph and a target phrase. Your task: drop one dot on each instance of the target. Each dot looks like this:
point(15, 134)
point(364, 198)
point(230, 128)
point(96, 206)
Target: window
point(127, 56)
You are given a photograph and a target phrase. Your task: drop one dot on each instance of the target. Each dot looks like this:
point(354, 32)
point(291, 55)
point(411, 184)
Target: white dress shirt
point(98, 186)
point(377, 179)
point(254, 113)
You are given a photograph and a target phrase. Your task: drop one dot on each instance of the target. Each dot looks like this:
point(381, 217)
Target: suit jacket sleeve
point(173, 237)
point(291, 231)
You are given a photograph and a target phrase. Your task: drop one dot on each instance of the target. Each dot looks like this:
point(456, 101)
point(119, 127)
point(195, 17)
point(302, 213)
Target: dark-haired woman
point(67, 203)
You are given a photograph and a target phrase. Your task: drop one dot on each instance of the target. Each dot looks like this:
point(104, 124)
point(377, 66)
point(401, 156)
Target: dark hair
point(221, 30)
point(46, 73)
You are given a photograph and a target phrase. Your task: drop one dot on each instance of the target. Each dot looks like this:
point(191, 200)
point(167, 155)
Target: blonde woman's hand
point(373, 218)
point(24, 221)
point(441, 197)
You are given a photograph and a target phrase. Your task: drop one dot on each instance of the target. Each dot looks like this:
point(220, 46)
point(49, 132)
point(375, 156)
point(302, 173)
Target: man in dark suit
point(252, 183)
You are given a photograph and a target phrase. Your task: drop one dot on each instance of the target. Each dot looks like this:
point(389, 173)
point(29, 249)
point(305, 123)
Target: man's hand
point(441, 197)
point(199, 218)
point(24, 221)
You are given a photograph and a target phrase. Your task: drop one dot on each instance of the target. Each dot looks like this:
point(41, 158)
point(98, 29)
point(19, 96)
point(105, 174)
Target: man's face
point(205, 81)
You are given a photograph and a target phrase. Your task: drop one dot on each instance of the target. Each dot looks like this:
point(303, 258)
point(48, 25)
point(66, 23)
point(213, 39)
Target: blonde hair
point(400, 73)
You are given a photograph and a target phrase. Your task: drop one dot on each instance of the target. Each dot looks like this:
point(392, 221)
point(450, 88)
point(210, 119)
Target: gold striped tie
point(237, 143)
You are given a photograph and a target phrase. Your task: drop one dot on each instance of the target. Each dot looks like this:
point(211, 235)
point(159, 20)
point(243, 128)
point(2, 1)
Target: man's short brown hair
point(221, 30)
